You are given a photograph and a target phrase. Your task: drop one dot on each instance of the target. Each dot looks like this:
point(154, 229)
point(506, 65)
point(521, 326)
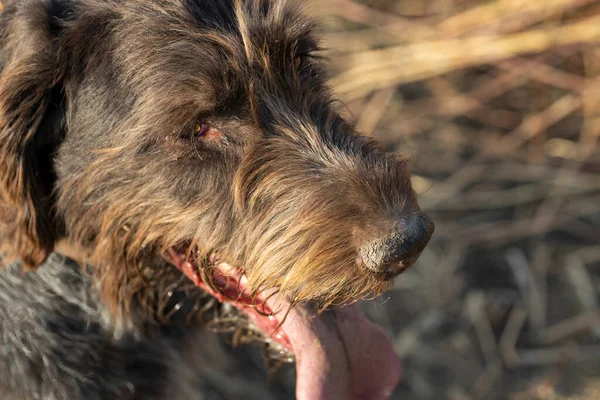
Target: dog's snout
point(391, 254)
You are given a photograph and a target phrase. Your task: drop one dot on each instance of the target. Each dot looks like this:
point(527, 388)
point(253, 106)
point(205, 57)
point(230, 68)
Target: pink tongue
point(339, 354)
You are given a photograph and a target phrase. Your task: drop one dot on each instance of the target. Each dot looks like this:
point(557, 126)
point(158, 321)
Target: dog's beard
point(339, 354)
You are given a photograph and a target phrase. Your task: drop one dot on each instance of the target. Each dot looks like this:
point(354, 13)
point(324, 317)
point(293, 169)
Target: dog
point(171, 163)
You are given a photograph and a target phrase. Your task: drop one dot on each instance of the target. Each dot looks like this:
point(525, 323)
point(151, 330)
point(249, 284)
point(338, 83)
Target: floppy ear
point(31, 124)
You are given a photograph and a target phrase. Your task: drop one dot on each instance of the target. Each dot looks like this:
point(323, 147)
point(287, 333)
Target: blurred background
point(498, 104)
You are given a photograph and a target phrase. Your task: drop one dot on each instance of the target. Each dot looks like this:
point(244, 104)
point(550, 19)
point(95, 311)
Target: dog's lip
point(340, 355)
point(233, 290)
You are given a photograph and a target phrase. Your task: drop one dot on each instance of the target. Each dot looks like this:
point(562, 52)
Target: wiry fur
point(98, 101)
point(56, 342)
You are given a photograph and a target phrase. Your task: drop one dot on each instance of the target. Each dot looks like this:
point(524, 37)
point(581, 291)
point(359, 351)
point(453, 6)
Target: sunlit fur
point(98, 102)
point(98, 162)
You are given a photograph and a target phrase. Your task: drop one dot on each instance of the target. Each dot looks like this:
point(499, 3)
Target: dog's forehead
point(254, 26)
point(210, 44)
point(183, 58)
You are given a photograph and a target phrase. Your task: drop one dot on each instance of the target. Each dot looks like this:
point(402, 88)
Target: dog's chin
point(339, 354)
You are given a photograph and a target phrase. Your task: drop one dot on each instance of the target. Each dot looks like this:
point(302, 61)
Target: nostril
point(389, 256)
point(417, 234)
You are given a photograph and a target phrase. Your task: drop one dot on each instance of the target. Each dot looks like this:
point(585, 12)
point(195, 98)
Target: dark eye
point(298, 62)
point(200, 129)
point(206, 132)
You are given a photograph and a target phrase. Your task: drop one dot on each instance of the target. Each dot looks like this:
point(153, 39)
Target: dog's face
point(199, 132)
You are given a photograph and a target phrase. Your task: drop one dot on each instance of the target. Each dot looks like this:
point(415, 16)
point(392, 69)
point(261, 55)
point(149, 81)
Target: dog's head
point(199, 133)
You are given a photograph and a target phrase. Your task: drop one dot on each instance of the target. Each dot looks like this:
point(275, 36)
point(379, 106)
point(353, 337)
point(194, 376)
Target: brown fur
point(94, 148)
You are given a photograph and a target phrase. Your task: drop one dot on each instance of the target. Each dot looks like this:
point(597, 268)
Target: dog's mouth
point(339, 354)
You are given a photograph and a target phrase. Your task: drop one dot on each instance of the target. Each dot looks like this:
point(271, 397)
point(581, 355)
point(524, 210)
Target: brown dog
point(198, 137)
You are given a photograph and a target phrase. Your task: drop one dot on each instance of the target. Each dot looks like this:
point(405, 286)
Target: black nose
point(387, 257)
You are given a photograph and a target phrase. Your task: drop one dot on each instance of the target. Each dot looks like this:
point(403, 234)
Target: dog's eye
point(200, 129)
point(298, 62)
point(206, 132)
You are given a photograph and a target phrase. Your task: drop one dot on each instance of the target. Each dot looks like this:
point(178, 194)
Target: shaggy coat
point(147, 135)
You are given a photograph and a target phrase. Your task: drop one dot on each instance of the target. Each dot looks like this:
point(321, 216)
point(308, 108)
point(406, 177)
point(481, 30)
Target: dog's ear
point(31, 125)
